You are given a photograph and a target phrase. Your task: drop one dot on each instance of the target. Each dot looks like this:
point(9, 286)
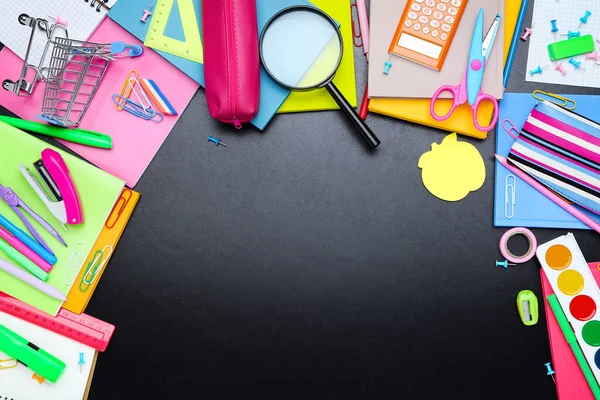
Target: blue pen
point(28, 241)
point(515, 41)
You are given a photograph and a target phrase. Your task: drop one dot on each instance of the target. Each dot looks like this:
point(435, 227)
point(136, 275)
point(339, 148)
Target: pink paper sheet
point(135, 141)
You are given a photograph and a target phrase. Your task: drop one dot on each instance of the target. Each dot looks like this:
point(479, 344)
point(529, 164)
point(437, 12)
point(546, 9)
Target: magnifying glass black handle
point(360, 125)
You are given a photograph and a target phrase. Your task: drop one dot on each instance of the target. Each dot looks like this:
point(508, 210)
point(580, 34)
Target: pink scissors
point(469, 89)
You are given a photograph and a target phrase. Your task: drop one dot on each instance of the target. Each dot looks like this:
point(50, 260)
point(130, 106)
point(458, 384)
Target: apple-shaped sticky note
point(452, 169)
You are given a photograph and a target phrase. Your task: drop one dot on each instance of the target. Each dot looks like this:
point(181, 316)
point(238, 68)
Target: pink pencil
point(26, 251)
point(550, 194)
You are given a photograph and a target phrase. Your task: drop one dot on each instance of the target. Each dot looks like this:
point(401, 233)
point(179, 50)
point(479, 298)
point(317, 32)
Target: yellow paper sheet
point(461, 121)
point(320, 99)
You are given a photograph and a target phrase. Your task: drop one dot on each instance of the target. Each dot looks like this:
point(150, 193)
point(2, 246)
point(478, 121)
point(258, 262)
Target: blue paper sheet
point(532, 209)
point(127, 13)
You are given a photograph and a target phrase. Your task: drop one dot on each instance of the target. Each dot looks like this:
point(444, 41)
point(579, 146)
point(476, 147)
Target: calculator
point(426, 29)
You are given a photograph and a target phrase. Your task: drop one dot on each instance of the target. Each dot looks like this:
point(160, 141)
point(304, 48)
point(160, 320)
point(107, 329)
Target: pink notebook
point(135, 141)
point(570, 382)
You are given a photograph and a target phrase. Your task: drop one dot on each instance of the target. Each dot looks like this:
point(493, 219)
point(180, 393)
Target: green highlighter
point(571, 47)
point(28, 354)
point(80, 136)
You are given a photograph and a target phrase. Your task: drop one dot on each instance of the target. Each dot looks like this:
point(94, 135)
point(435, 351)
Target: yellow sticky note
point(452, 169)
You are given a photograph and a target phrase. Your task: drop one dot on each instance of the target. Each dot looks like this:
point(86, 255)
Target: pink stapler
point(54, 172)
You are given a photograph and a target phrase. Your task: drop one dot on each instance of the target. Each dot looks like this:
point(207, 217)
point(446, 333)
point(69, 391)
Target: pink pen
point(551, 195)
point(363, 21)
point(26, 251)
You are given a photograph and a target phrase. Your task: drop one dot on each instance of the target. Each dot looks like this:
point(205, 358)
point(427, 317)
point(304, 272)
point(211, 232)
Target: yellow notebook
point(94, 266)
point(320, 99)
point(417, 110)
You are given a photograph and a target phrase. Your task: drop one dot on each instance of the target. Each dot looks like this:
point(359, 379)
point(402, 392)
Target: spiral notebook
point(83, 17)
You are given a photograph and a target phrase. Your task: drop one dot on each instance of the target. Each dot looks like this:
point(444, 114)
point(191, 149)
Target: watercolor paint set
point(577, 291)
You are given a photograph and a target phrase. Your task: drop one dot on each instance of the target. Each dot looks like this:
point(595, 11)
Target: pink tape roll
point(510, 256)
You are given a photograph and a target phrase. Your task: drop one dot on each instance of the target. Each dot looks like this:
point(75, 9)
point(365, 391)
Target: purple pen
point(31, 280)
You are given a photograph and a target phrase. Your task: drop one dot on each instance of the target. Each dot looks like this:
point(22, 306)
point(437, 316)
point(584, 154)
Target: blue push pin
point(585, 18)
point(554, 28)
point(81, 362)
point(217, 142)
point(571, 35)
point(504, 264)
point(550, 371)
point(538, 70)
point(386, 69)
point(575, 63)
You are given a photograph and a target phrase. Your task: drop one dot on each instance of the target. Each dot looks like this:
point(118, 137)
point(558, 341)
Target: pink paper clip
point(592, 56)
point(560, 68)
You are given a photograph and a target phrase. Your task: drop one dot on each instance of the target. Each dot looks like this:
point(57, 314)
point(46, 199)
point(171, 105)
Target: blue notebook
point(128, 13)
point(532, 209)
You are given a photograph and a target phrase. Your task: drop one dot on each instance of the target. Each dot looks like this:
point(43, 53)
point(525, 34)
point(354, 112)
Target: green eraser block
point(571, 47)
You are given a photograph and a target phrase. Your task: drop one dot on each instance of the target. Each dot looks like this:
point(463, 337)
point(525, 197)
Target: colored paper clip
point(554, 98)
point(356, 34)
point(94, 267)
point(117, 210)
point(141, 95)
point(511, 130)
point(75, 263)
point(510, 184)
point(126, 89)
point(137, 109)
point(8, 363)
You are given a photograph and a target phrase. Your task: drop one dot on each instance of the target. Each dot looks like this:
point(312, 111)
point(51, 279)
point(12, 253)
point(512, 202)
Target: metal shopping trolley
point(72, 73)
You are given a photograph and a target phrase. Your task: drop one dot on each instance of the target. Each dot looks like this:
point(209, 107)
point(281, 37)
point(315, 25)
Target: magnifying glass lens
point(301, 49)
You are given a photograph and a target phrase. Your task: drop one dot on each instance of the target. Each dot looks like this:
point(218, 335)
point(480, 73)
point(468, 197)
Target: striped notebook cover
point(561, 149)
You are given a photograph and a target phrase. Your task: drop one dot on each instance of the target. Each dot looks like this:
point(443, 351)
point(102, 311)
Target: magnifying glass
point(301, 49)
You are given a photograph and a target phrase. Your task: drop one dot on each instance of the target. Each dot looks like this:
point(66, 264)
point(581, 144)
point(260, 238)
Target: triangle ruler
point(191, 48)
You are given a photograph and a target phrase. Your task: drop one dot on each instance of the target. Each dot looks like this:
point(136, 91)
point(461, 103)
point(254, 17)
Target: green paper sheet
point(98, 193)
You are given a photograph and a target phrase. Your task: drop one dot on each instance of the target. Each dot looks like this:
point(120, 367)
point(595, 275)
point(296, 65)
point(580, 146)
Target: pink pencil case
point(231, 60)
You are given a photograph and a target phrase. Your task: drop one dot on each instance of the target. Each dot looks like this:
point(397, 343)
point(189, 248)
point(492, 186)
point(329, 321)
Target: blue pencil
point(515, 41)
point(28, 240)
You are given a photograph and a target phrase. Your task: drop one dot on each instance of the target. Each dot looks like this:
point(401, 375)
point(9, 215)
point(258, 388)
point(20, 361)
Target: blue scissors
point(469, 89)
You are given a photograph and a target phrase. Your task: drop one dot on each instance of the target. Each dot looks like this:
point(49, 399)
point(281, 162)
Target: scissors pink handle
point(482, 97)
point(456, 100)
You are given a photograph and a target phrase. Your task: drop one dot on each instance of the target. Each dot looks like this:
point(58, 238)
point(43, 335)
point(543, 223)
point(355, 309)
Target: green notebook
point(98, 193)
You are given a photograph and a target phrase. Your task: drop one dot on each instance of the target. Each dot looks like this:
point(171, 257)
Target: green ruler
point(191, 48)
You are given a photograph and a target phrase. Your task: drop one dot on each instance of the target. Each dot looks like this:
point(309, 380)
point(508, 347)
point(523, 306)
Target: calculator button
point(446, 28)
point(425, 30)
point(441, 7)
point(435, 23)
point(423, 19)
point(415, 7)
point(412, 15)
point(452, 11)
point(456, 3)
point(430, 3)
point(419, 1)
point(434, 33)
point(408, 23)
point(427, 11)
point(417, 27)
point(444, 36)
point(438, 15)
point(449, 19)
point(445, 1)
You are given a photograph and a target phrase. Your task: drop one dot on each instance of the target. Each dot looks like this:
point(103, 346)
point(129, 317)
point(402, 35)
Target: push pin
point(584, 18)
point(571, 35)
point(386, 69)
point(38, 378)
point(592, 56)
point(554, 28)
point(538, 70)
point(60, 20)
point(560, 68)
point(147, 13)
point(575, 63)
point(504, 264)
point(550, 371)
point(217, 142)
point(81, 362)
point(528, 31)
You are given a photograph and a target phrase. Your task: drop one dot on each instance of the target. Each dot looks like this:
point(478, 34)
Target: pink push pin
point(592, 56)
point(60, 21)
point(562, 69)
point(528, 31)
point(147, 13)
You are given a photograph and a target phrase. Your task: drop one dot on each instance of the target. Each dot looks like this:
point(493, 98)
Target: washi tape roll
point(514, 232)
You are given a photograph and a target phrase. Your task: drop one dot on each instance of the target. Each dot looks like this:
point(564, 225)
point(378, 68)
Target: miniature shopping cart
point(72, 73)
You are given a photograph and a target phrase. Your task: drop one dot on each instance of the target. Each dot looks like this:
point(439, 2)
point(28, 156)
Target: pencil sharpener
point(527, 305)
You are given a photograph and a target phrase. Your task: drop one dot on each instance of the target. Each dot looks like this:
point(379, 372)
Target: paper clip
point(137, 109)
point(555, 99)
point(75, 263)
point(511, 128)
point(141, 95)
point(95, 267)
point(356, 34)
point(509, 207)
point(126, 89)
point(8, 363)
point(117, 210)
